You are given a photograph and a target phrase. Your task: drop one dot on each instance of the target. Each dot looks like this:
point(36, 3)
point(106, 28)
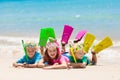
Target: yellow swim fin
point(105, 43)
point(89, 39)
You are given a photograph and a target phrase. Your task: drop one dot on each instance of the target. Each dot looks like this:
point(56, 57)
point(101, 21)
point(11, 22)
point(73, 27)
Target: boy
point(81, 59)
point(30, 61)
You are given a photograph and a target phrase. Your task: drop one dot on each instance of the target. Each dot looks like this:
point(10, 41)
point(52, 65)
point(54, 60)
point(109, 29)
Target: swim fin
point(52, 39)
point(25, 50)
point(50, 33)
point(80, 35)
point(89, 39)
point(105, 43)
point(66, 33)
point(43, 37)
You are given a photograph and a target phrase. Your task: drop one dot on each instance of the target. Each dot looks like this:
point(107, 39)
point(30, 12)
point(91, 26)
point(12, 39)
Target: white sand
point(98, 72)
point(91, 72)
point(105, 70)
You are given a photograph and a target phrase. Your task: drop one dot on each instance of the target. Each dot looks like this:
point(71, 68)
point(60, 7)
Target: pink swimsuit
point(59, 61)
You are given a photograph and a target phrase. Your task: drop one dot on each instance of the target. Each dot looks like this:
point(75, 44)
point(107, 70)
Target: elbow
point(14, 64)
point(65, 66)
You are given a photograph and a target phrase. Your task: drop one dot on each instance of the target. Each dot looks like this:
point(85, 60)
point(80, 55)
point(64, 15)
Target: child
point(33, 57)
point(81, 60)
point(53, 58)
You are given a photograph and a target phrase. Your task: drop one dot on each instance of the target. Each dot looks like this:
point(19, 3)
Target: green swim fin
point(89, 39)
point(45, 33)
point(43, 37)
point(105, 43)
point(50, 33)
point(51, 39)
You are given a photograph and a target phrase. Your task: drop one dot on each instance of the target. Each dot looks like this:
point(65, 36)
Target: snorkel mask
point(73, 48)
point(53, 44)
point(30, 44)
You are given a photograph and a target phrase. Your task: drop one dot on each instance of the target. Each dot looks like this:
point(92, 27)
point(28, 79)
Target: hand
point(69, 66)
point(26, 65)
point(47, 67)
point(55, 64)
point(41, 65)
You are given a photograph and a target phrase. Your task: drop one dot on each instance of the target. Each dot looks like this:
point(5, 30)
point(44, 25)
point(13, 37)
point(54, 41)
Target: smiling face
point(78, 54)
point(52, 52)
point(31, 48)
point(78, 51)
point(31, 51)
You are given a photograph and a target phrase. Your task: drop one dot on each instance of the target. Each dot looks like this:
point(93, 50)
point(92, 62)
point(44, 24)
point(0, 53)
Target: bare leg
point(63, 47)
point(94, 58)
point(42, 50)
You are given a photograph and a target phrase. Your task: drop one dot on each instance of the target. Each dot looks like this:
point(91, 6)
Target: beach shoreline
point(23, 19)
point(108, 66)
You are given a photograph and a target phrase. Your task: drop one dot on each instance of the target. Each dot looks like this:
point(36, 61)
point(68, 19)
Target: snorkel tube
point(24, 47)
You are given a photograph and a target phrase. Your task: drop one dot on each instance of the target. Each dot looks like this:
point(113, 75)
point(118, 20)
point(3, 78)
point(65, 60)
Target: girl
point(52, 58)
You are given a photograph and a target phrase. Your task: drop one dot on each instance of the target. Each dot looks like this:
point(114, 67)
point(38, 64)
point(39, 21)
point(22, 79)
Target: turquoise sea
point(26, 17)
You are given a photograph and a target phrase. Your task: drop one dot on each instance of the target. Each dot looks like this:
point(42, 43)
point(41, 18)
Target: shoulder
point(37, 54)
point(63, 58)
point(84, 57)
point(23, 57)
point(71, 59)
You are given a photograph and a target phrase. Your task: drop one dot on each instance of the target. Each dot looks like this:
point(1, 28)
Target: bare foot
point(76, 40)
point(63, 43)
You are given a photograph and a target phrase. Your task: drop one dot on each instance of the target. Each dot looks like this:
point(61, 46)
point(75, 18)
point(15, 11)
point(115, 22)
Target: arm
point(30, 65)
point(57, 66)
point(63, 47)
point(41, 63)
point(25, 65)
point(42, 50)
point(20, 62)
point(78, 65)
point(15, 64)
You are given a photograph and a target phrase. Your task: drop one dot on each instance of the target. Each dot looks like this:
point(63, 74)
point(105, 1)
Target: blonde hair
point(32, 44)
point(77, 48)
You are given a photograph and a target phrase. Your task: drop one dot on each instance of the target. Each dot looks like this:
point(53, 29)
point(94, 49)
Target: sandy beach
point(11, 50)
point(23, 19)
point(98, 72)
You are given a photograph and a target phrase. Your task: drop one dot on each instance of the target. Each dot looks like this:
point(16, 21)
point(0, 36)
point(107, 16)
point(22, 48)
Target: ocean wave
point(11, 44)
point(17, 40)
